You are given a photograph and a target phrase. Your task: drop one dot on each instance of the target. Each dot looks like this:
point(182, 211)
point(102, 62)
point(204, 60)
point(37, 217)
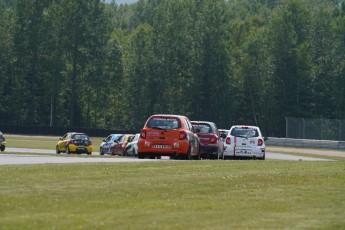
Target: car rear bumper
point(230, 151)
point(163, 149)
point(80, 149)
point(208, 149)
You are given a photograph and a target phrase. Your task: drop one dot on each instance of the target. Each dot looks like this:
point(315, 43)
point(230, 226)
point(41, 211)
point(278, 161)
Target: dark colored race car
point(211, 144)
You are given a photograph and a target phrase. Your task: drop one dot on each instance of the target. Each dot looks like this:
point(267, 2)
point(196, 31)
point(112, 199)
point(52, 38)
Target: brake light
point(183, 135)
point(260, 142)
point(213, 139)
point(228, 140)
point(143, 133)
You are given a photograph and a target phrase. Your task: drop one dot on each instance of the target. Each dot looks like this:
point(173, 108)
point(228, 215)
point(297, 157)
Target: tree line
point(87, 63)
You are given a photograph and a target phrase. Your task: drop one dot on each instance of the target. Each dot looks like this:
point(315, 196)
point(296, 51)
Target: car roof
point(168, 115)
point(208, 122)
point(245, 126)
point(77, 133)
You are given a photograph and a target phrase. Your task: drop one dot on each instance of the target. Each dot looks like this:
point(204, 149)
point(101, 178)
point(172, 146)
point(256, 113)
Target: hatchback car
point(168, 135)
point(104, 148)
point(2, 142)
point(211, 145)
point(132, 146)
point(74, 142)
point(119, 145)
point(245, 142)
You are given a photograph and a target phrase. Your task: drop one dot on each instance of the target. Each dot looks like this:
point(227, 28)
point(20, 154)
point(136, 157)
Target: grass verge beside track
point(174, 195)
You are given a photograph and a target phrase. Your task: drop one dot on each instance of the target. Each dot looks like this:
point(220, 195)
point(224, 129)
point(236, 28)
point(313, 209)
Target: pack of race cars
point(173, 136)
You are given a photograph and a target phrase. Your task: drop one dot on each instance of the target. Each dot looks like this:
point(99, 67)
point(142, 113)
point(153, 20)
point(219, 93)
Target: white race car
point(244, 142)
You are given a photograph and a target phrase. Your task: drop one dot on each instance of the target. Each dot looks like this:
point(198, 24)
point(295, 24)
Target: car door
point(194, 139)
point(63, 143)
point(108, 142)
point(117, 145)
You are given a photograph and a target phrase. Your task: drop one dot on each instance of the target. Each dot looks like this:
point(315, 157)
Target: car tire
point(217, 154)
point(135, 154)
point(101, 151)
point(188, 156)
point(124, 152)
point(198, 156)
point(57, 150)
point(68, 151)
point(141, 155)
point(2, 148)
point(262, 158)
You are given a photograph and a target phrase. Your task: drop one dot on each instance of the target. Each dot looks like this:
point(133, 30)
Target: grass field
point(174, 195)
point(207, 194)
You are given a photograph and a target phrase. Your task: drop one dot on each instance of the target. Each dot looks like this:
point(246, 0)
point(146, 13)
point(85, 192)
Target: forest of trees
point(87, 63)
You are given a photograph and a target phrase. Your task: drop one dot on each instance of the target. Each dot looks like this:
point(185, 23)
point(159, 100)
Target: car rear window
point(164, 123)
point(80, 137)
point(223, 131)
point(244, 132)
point(204, 128)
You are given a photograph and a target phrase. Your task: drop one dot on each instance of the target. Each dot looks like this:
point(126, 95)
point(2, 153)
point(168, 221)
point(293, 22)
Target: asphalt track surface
point(10, 159)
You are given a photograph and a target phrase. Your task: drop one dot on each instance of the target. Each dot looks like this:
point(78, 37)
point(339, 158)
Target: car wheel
point(135, 153)
point(262, 158)
point(124, 152)
point(217, 155)
point(141, 155)
point(57, 150)
point(101, 151)
point(2, 148)
point(188, 157)
point(198, 155)
point(68, 151)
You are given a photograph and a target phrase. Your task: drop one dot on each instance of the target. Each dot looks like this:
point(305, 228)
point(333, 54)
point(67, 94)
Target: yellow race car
point(74, 142)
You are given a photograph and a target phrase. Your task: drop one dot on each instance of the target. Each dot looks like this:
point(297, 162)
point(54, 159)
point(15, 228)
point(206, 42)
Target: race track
point(27, 158)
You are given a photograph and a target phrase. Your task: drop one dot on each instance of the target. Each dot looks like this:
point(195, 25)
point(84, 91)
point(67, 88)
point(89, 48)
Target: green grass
point(174, 195)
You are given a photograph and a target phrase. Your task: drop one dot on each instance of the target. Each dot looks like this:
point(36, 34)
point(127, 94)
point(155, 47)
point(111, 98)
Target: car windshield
point(244, 132)
point(116, 137)
point(80, 137)
point(120, 138)
point(204, 128)
point(136, 137)
point(164, 123)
